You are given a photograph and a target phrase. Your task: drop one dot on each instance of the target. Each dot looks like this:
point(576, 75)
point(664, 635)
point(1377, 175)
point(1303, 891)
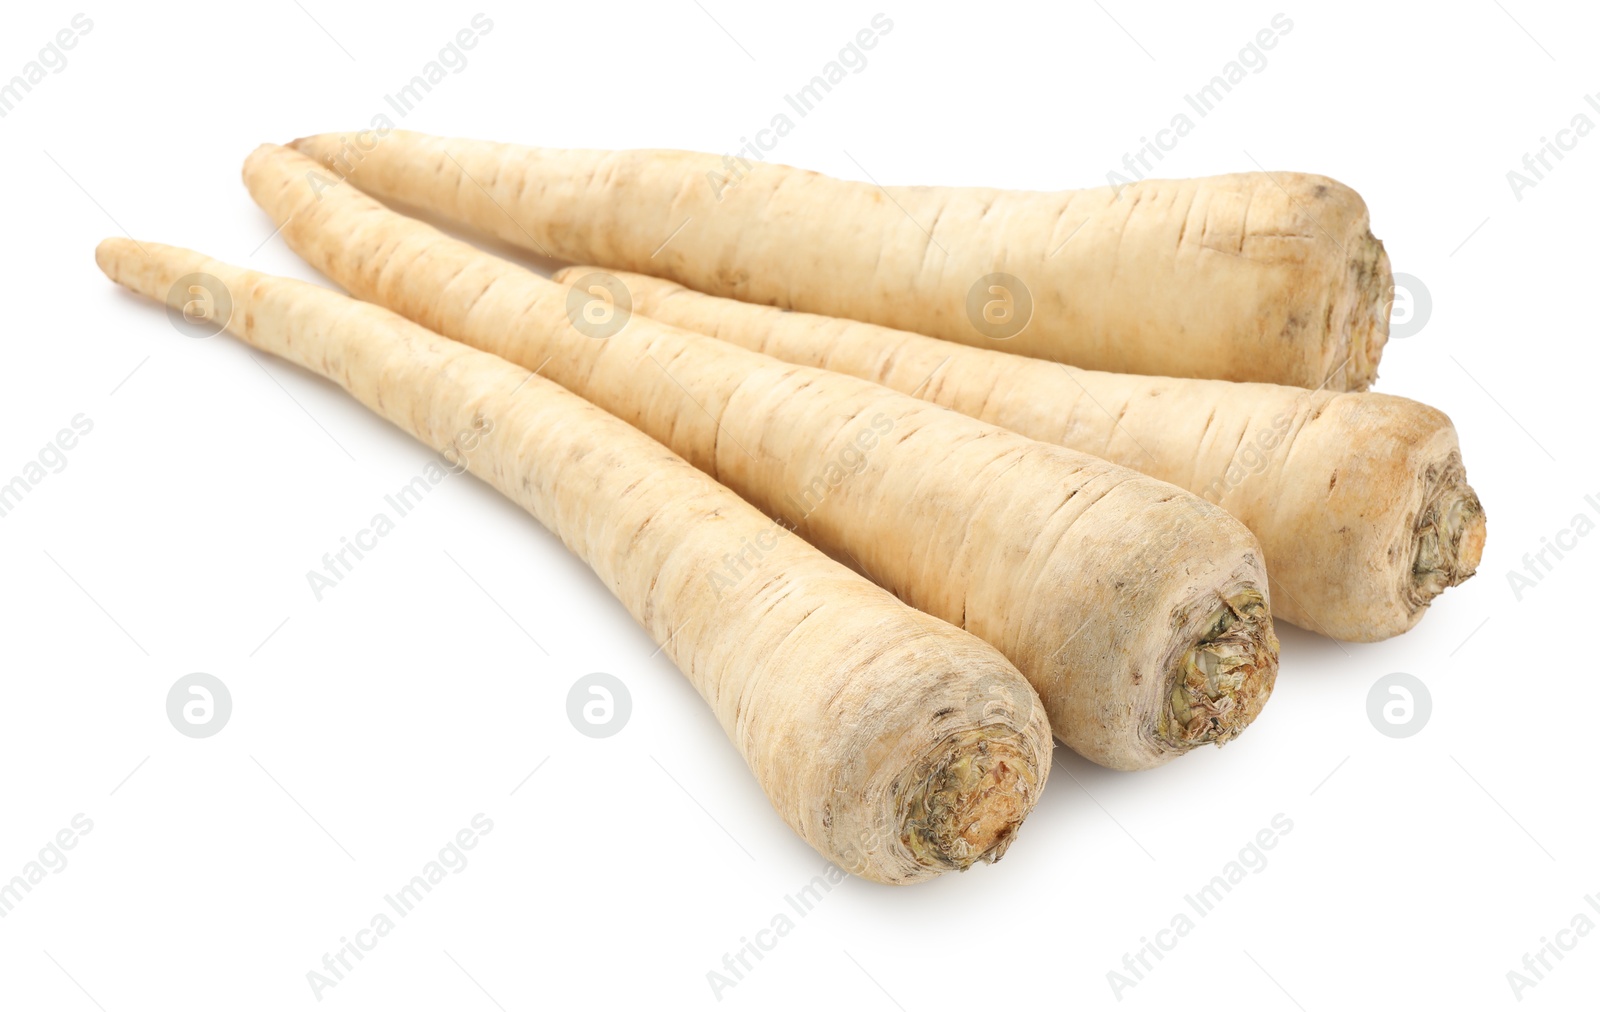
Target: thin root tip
point(260, 153)
point(316, 146)
point(109, 251)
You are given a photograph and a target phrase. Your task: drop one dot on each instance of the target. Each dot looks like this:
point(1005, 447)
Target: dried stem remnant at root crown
point(1224, 680)
point(969, 800)
point(1361, 309)
point(1449, 533)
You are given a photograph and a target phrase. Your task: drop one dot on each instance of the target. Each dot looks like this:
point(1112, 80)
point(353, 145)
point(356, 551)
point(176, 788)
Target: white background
point(369, 727)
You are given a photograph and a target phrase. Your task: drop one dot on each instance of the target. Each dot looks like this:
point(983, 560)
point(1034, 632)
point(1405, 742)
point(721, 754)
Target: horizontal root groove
point(1223, 681)
point(978, 787)
point(1448, 536)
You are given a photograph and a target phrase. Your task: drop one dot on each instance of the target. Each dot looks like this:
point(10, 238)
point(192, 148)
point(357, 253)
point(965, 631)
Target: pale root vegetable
point(1271, 277)
point(1360, 500)
point(1138, 611)
point(897, 745)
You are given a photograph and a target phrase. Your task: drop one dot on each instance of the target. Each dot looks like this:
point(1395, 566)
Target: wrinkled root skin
point(975, 791)
point(1449, 534)
point(1223, 681)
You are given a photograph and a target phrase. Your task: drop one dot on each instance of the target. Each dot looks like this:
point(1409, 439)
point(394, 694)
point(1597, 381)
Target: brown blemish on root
point(1447, 542)
point(970, 797)
point(1222, 682)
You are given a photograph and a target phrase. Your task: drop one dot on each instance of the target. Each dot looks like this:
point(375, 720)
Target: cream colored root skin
point(1360, 500)
point(1253, 276)
point(896, 745)
point(1102, 585)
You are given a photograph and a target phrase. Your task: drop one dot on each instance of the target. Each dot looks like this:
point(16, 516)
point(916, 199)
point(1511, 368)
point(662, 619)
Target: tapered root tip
point(110, 253)
point(975, 791)
point(325, 148)
point(1224, 680)
point(1448, 536)
point(139, 268)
